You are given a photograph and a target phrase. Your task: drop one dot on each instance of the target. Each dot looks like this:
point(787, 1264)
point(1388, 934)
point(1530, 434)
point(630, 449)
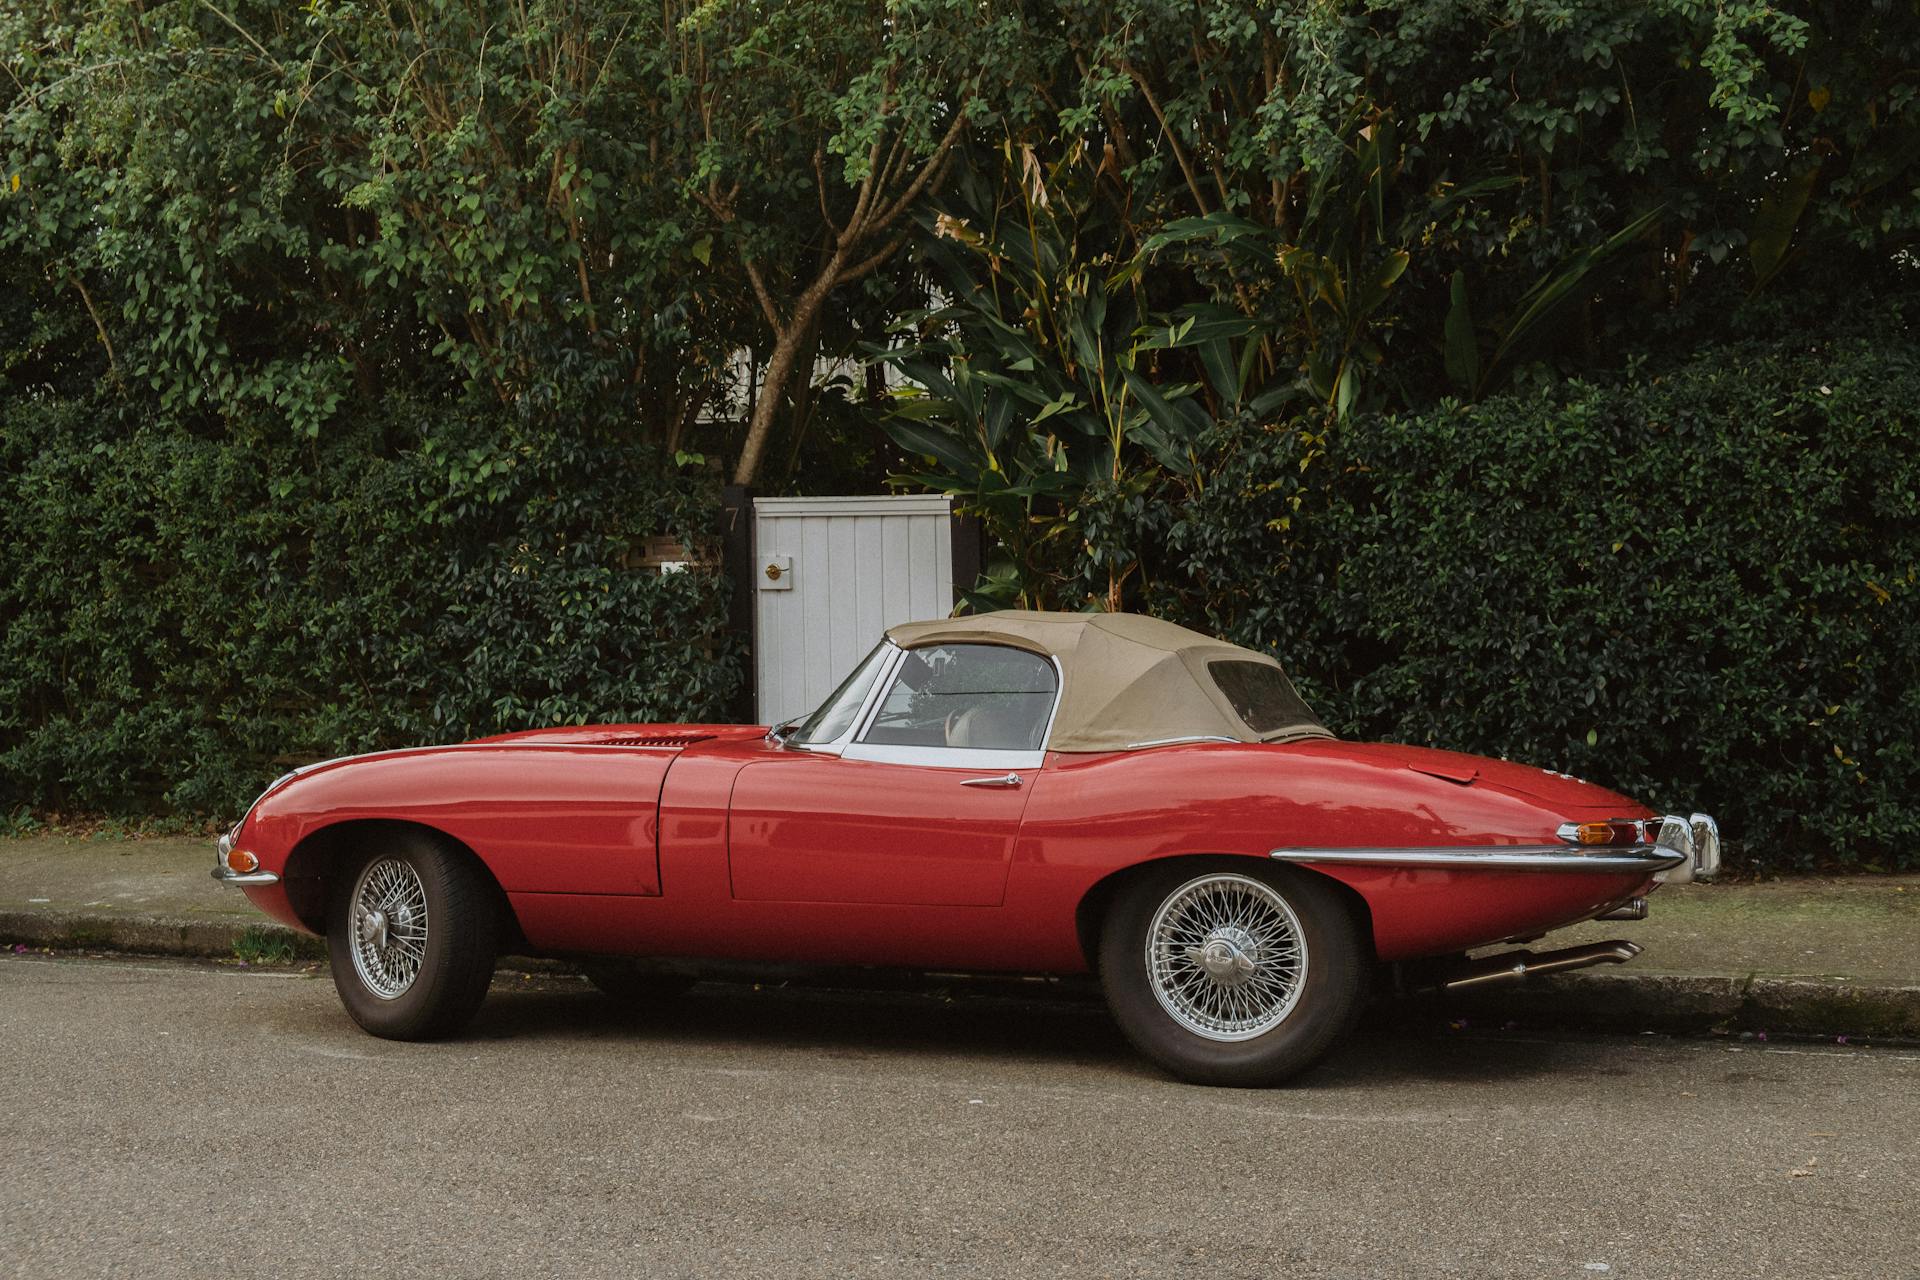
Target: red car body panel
point(720, 843)
point(817, 828)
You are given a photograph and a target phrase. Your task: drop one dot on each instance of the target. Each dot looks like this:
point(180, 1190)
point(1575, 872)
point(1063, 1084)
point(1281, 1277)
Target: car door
point(919, 802)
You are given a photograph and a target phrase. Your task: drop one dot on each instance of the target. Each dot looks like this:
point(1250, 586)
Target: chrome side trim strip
point(1526, 857)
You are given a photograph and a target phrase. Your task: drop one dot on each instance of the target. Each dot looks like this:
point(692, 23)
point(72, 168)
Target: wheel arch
point(314, 865)
point(1091, 913)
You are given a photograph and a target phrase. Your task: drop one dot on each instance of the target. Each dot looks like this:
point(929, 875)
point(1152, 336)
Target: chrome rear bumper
point(1697, 840)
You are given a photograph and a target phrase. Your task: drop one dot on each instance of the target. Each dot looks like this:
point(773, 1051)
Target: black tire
point(1290, 1020)
point(454, 964)
point(634, 984)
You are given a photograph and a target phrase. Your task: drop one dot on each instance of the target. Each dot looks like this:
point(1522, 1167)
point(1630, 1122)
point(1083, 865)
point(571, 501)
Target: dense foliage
point(390, 330)
point(299, 208)
point(190, 615)
point(1701, 585)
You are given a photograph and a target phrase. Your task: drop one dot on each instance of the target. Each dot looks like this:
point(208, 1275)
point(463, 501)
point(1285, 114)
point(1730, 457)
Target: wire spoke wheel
point(388, 917)
point(414, 924)
point(1226, 957)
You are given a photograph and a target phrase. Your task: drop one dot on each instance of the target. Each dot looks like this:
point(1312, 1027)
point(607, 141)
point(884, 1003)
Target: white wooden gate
point(831, 575)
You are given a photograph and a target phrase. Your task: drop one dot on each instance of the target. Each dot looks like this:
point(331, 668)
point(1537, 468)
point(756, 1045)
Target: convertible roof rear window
point(1261, 695)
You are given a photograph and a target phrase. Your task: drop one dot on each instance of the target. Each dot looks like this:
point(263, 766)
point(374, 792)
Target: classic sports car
point(1030, 792)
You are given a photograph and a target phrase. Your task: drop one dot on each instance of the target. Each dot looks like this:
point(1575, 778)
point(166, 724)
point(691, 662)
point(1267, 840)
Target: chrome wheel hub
point(1226, 957)
point(389, 917)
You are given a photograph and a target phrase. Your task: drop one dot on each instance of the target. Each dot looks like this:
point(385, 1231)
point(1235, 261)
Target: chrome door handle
point(1003, 780)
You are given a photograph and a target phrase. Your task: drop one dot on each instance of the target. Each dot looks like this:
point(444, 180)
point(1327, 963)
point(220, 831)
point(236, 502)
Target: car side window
point(980, 697)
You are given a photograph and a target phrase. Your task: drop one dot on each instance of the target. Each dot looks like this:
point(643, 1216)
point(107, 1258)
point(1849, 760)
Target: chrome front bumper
point(227, 875)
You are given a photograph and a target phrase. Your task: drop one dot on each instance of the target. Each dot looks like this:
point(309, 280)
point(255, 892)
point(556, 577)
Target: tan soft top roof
point(1129, 680)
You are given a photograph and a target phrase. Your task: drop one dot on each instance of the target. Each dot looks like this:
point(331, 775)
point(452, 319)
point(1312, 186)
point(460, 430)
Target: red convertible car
point(1029, 792)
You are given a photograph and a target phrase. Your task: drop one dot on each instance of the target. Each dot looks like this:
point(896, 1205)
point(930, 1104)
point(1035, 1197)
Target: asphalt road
point(180, 1120)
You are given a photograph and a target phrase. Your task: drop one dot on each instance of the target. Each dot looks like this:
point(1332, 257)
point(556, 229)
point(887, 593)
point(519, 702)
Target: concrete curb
point(1692, 1003)
point(1610, 1000)
point(152, 935)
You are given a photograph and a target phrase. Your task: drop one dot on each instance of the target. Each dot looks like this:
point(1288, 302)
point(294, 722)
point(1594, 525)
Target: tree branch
point(865, 196)
point(936, 163)
point(820, 189)
point(113, 364)
point(247, 36)
point(847, 275)
point(759, 284)
point(1179, 152)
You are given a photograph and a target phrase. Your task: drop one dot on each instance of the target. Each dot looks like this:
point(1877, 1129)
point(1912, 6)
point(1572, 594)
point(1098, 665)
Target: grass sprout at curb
point(257, 945)
point(20, 822)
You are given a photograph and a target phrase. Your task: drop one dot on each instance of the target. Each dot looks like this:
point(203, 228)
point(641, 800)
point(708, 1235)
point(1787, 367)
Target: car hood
point(676, 737)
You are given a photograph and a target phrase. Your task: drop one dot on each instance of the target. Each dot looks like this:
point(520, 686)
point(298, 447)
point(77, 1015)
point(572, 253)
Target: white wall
point(859, 566)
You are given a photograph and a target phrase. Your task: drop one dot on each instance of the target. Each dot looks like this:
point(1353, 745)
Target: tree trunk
point(788, 346)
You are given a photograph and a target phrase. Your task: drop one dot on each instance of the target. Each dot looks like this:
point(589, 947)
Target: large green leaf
point(935, 442)
point(1218, 227)
point(1195, 326)
point(1545, 298)
point(1771, 236)
point(1167, 433)
point(1463, 345)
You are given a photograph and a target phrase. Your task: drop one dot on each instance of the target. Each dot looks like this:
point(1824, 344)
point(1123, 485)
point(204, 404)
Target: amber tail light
point(1616, 831)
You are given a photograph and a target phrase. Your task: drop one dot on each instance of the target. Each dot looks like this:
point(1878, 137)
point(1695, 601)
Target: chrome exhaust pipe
point(1520, 964)
point(1631, 909)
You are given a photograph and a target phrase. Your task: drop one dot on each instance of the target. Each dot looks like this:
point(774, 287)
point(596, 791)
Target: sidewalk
point(1816, 956)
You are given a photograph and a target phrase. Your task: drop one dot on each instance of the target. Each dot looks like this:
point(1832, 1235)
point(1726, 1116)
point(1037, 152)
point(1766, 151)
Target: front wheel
point(1232, 974)
point(412, 932)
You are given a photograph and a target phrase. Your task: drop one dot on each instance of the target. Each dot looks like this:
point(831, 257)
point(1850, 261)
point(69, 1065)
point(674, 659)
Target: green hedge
point(1701, 586)
point(189, 613)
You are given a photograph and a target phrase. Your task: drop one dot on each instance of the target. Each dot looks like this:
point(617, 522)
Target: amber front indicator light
point(242, 862)
point(1585, 833)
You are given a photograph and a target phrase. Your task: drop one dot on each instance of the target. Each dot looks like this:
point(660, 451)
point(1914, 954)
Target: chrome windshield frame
point(868, 704)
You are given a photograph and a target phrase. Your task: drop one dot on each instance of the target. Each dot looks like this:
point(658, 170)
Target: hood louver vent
point(658, 740)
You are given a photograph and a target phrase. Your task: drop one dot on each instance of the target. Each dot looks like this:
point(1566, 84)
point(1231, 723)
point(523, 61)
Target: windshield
point(835, 716)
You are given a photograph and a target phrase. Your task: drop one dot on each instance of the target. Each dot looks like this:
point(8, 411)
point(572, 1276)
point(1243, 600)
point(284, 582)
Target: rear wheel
point(1232, 974)
point(412, 932)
